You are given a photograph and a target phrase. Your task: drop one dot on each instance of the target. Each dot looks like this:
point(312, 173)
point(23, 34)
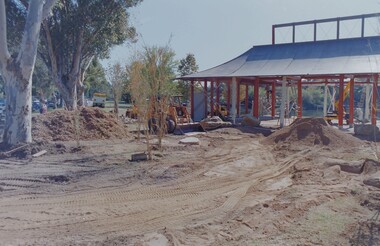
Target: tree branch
point(4, 53)
point(85, 68)
point(77, 57)
point(47, 8)
point(52, 55)
point(27, 55)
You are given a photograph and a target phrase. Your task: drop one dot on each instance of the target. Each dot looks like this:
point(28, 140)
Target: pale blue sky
point(216, 31)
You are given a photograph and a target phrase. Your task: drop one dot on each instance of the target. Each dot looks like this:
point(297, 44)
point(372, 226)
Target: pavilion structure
point(336, 61)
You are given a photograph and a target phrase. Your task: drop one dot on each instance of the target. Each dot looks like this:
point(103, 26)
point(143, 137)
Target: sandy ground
point(232, 189)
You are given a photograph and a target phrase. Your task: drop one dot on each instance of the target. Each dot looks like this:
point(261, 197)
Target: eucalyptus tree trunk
point(68, 91)
point(80, 94)
point(17, 72)
point(68, 74)
point(18, 113)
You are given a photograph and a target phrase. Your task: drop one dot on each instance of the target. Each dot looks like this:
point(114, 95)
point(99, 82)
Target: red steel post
point(212, 98)
point(206, 97)
point(192, 98)
point(238, 97)
point(351, 112)
point(228, 96)
point(256, 98)
point(246, 98)
point(217, 92)
point(273, 99)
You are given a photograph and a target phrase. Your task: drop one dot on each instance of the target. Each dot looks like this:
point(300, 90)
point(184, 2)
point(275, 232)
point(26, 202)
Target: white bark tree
point(76, 33)
point(17, 71)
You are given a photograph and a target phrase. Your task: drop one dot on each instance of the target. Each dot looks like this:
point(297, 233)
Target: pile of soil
point(312, 131)
point(83, 124)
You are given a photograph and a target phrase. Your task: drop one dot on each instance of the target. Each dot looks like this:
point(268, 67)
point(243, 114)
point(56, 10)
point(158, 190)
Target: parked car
point(36, 105)
point(51, 104)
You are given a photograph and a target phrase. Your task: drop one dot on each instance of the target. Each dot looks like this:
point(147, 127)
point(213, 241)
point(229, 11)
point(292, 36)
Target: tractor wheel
point(170, 126)
point(153, 125)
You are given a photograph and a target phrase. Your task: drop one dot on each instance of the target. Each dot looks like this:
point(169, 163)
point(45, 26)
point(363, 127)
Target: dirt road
point(232, 190)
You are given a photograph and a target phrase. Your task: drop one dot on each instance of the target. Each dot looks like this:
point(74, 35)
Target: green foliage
point(76, 32)
point(116, 77)
point(15, 23)
point(102, 24)
point(312, 97)
point(95, 80)
point(187, 65)
point(158, 69)
point(42, 84)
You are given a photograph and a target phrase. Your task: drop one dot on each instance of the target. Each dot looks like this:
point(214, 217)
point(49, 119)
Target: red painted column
point(238, 97)
point(218, 92)
point(273, 99)
point(374, 99)
point(205, 95)
point(228, 96)
point(212, 98)
point(299, 92)
point(246, 98)
point(192, 98)
point(351, 112)
point(256, 98)
point(340, 105)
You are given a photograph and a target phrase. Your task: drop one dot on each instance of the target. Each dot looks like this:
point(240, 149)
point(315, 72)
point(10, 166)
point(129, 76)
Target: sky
point(216, 31)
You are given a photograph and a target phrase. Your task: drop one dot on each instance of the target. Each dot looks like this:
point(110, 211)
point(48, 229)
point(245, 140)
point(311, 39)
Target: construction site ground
point(302, 185)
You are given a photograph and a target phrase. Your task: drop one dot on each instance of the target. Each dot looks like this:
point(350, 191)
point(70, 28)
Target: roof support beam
point(363, 24)
point(229, 95)
point(374, 99)
point(351, 112)
point(337, 29)
point(234, 99)
point(218, 92)
point(326, 92)
point(192, 98)
point(205, 96)
point(256, 98)
point(340, 105)
point(283, 101)
point(238, 102)
point(273, 99)
point(212, 97)
point(299, 92)
point(367, 108)
point(246, 98)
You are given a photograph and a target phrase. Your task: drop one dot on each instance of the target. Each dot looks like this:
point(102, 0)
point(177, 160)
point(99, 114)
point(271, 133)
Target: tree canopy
point(95, 80)
point(187, 65)
point(78, 31)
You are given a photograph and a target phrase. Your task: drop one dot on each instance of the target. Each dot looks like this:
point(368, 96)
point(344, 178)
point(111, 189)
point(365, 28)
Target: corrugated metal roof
point(330, 57)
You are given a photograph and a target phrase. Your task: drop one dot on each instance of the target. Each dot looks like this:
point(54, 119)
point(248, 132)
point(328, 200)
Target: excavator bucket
point(183, 128)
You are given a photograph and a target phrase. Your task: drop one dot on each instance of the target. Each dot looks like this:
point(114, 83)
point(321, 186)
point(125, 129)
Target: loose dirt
point(85, 124)
point(311, 132)
point(237, 187)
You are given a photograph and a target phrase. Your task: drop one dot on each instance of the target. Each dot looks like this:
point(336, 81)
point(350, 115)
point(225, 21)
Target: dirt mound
point(312, 131)
point(92, 123)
